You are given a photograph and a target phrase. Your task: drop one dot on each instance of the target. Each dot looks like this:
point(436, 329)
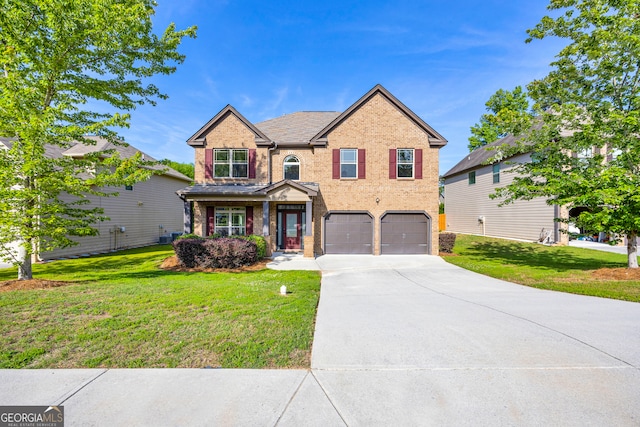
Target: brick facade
point(376, 124)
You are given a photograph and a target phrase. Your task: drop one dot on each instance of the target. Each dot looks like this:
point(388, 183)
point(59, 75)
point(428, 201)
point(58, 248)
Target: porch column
point(265, 218)
point(309, 217)
point(187, 217)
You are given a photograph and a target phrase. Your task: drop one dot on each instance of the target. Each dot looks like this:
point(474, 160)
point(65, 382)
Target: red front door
point(292, 229)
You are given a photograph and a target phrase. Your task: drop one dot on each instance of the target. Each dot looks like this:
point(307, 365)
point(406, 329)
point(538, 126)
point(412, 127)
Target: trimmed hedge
point(223, 252)
point(260, 242)
point(447, 241)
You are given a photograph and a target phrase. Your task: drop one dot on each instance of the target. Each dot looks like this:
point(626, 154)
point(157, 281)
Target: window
point(472, 177)
point(230, 221)
point(231, 163)
point(128, 187)
point(291, 168)
point(348, 163)
point(496, 173)
point(405, 163)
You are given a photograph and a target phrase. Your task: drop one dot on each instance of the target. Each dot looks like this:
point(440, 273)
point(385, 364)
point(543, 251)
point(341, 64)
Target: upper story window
point(472, 177)
point(404, 163)
point(348, 163)
point(496, 173)
point(291, 168)
point(230, 163)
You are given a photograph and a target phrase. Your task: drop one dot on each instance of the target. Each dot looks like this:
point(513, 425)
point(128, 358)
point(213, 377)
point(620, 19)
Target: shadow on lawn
point(554, 258)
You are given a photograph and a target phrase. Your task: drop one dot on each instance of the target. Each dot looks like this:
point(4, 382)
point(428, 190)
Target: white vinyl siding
point(141, 212)
point(464, 204)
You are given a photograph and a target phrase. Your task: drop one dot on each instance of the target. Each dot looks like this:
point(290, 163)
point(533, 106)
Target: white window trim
point(495, 173)
point(230, 162)
point(412, 163)
point(229, 211)
point(288, 162)
point(355, 162)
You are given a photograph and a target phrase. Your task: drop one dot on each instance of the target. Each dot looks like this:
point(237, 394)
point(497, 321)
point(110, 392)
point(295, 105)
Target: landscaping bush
point(260, 242)
point(447, 241)
point(188, 251)
point(188, 236)
point(223, 252)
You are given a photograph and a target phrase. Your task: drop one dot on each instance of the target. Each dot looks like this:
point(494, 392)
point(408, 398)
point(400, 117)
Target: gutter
point(275, 146)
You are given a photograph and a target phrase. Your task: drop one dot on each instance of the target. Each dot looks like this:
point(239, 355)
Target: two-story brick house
point(361, 181)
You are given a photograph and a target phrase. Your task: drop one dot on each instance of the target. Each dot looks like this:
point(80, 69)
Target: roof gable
point(435, 139)
point(198, 138)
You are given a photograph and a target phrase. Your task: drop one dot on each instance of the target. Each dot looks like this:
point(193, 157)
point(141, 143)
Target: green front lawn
point(122, 311)
point(559, 268)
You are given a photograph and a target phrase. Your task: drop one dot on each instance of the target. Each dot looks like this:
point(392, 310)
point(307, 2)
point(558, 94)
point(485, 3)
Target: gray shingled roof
point(78, 149)
point(479, 156)
point(296, 128)
point(240, 189)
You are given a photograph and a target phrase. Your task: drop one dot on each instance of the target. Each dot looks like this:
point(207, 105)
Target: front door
point(292, 229)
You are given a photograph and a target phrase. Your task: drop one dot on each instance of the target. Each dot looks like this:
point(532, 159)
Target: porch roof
point(250, 192)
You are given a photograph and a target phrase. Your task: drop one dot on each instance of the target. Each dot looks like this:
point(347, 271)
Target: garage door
point(405, 233)
point(348, 233)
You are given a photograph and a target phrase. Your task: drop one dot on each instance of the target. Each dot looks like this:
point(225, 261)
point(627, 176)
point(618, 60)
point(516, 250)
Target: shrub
point(223, 252)
point(188, 251)
point(260, 242)
point(188, 236)
point(447, 241)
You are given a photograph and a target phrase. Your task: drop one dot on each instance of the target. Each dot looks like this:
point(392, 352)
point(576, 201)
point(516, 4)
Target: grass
point(559, 268)
point(122, 311)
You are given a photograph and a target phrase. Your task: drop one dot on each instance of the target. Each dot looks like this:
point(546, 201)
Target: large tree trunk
point(24, 263)
point(632, 249)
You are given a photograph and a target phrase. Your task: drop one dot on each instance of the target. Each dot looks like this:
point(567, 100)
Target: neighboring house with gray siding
point(139, 215)
point(470, 210)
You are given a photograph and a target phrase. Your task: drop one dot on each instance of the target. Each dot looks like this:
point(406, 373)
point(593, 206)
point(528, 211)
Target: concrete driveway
point(404, 340)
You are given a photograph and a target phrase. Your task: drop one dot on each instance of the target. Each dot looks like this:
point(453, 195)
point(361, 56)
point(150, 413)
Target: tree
point(187, 169)
point(508, 111)
point(585, 149)
point(69, 69)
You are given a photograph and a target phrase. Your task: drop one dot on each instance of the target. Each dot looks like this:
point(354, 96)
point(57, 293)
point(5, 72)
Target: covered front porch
point(281, 212)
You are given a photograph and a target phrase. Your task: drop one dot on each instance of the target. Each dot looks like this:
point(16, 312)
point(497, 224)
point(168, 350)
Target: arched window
point(292, 168)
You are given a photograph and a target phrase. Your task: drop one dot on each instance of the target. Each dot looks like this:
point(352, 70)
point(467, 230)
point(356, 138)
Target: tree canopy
point(187, 169)
point(507, 112)
point(71, 69)
point(586, 146)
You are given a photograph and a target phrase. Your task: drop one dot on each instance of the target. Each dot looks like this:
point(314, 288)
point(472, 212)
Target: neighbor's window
point(405, 163)
point(585, 154)
point(348, 163)
point(472, 177)
point(128, 187)
point(231, 163)
point(230, 221)
point(496, 173)
point(292, 168)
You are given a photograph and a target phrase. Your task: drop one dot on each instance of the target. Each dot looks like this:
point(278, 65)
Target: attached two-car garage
point(400, 233)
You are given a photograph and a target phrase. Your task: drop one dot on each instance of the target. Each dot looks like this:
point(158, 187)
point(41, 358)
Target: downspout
point(275, 146)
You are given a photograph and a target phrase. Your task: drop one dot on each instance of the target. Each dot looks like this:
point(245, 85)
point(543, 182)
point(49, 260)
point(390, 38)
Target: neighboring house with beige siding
point(470, 210)
point(138, 216)
point(360, 181)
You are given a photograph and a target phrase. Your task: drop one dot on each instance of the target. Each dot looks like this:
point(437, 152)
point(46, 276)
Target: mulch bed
point(172, 264)
point(617, 274)
point(16, 285)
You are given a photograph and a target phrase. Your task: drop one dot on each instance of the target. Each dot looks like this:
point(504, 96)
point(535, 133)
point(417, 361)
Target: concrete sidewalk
point(399, 340)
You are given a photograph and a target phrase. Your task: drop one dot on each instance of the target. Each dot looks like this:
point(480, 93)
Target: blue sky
point(441, 59)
